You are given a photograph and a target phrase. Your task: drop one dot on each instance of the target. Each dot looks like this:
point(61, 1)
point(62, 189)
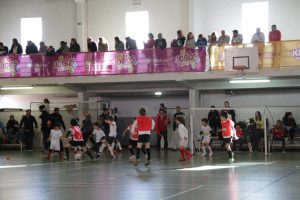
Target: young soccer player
point(54, 138)
point(183, 138)
point(206, 132)
point(228, 132)
point(99, 138)
point(144, 124)
point(112, 135)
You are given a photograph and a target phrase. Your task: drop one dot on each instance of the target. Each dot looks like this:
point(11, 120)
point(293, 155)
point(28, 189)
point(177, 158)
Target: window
point(31, 29)
point(137, 26)
point(254, 15)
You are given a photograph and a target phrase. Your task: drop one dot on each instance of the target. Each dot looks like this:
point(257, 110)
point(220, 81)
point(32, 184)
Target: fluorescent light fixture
point(250, 81)
point(17, 88)
point(158, 93)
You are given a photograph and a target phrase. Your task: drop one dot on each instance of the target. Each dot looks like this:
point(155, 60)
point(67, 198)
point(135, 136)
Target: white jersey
point(183, 135)
point(206, 130)
point(55, 139)
point(99, 134)
point(113, 130)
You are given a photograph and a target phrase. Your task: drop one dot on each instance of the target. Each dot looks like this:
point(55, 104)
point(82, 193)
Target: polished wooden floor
point(28, 176)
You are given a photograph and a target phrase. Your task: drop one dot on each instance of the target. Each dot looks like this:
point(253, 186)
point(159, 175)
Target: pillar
point(82, 23)
point(83, 105)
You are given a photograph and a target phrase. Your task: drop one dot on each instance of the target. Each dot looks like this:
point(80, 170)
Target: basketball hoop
point(240, 68)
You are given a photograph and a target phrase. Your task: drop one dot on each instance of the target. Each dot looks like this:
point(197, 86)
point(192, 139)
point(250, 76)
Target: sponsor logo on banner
point(8, 65)
point(65, 63)
point(186, 58)
point(125, 61)
point(295, 53)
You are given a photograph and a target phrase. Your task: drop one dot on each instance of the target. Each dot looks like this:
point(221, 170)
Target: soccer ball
point(78, 155)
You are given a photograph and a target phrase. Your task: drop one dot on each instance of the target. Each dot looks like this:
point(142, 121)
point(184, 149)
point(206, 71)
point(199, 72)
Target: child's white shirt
point(55, 139)
point(206, 130)
point(113, 130)
point(99, 134)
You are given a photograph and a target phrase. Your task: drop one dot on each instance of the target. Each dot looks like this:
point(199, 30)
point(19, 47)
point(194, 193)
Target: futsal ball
point(78, 155)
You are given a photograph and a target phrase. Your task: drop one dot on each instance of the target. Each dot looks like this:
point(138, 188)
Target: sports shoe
point(113, 157)
point(181, 159)
point(98, 157)
point(231, 160)
point(147, 163)
point(210, 154)
point(190, 156)
point(204, 154)
point(132, 157)
point(136, 162)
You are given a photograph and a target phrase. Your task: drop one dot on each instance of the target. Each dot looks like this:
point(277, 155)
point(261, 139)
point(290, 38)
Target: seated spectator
point(31, 48)
point(12, 128)
point(190, 42)
point(16, 47)
point(3, 49)
point(43, 47)
point(161, 42)
point(290, 124)
point(50, 51)
point(274, 35)
point(258, 37)
point(279, 133)
point(92, 47)
point(130, 44)
point(119, 45)
point(223, 39)
point(180, 41)
point(102, 46)
point(74, 46)
point(63, 47)
point(150, 43)
point(237, 38)
point(240, 133)
point(201, 41)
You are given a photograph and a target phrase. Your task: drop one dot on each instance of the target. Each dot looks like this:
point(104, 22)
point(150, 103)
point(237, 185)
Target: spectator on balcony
point(3, 49)
point(180, 41)
point(63, 47)
point(213, 41)
point(161, 42)
point(102, 45)
point(74, 46)
point(119, 45)
point(31, 48)
point(16, 47)
point(50, 51)
point(274, 35)
point(201, 41)
point(258, 37)
point(150, 43)
point(130, 44)
point(223, 39)
point(43, 47)
point(92, 47)
point(237, 38)
point(190, 42)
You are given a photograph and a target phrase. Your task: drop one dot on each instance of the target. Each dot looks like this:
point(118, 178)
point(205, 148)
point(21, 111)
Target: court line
point(180, 193)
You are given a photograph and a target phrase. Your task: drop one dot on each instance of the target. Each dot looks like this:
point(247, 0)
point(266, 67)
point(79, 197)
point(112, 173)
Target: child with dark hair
point(206, 137)
point(239, 127)
point(55, 138)
point(228, 132)
point(290, 124)
point(279, 133)
point(112, 134)
point(99, 138)
point(254, 135)
point(183, 138)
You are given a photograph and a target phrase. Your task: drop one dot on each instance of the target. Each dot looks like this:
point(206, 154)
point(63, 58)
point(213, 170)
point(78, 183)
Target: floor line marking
point(180, 193)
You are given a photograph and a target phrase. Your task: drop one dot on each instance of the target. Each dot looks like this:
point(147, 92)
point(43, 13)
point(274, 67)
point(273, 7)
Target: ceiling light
point(158, 93)
point(17, 88)
point(250, 81)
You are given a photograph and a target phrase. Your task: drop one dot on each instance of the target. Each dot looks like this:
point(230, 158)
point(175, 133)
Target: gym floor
point(28, 176)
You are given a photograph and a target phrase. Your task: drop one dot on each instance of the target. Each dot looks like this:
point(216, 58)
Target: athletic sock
point(111, 151)
point(148, 153)
point(131, 151)
point(113, 145)
point(102, 148)
point(182, 154)
point(89, 154)
point(143, 150)
point(229, 154)
point(138, 153)
point(67, 153)
point(186, 152)
point(204, 150)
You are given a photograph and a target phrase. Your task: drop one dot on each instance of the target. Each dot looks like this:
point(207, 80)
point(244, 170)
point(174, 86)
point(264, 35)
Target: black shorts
point(77, 143)
point(228, 140)
point(133, 142)
point(110, 140)
point(144, 138)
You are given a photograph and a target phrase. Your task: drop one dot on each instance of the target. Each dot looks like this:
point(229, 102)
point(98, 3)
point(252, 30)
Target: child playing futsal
point(112, 135)
point(206, 133)
point(144, 124)
point(183, 138)
point(54, 138)
point(228, 132)
point(99, 138)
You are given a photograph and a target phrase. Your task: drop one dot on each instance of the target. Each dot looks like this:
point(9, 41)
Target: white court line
point(180, 193)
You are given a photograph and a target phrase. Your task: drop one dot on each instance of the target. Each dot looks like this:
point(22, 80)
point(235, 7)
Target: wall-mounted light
point(158, 93)
point(17, 88)
point(250, 81)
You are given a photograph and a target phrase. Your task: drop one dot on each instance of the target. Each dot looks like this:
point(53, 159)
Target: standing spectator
point(180, 41)
point(231, 112)
point(119, 45)
point(274, 35)
point(103, 124)
point(150, 43)
point(31, 48)
point(223, 39)
point(258, 37)
point(16, 47)
point(74, 46)
point(28, 121)
point(161, 42)
point(259, 121)
point(214, 120)
point(3, 49)
point(237, 38)
point(213, 41)
point(63, 47)
point(92, 47)
point(50, 51)
point(201, 41)
point(102, 46)
point(130, 44)
point(175, 127)
point(46, 103)
point(57, 118)
point(161, 127)
point(43, 47)
point(46, 126)
point(190, 42)
point(290, 125)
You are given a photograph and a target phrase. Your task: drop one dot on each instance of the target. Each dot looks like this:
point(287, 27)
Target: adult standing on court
point(162, 121)
point(28, 121)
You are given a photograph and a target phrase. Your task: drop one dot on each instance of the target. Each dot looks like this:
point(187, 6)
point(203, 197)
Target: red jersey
point(135, 134)
point(239, 132)
point(77, 133)
point(227, 126)
point(144, 123)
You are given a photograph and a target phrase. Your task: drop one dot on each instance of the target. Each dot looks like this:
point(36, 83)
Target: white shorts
point(206, 139)
point(55, 145)
point(183, 143)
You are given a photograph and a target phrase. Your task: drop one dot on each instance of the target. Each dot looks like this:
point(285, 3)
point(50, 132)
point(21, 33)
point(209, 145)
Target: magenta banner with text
point(104, 63)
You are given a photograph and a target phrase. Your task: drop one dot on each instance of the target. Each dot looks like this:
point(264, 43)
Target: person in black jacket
point(3, 49)
point(290, 124)
point(230, 112)
point(74, 46)
point(56, 118)
point(92, 46)
point(130, 44)
point(16, 47)
point(161, 42)
point(214, 120)
point(12, 128)
point(28, 121)
point(45, 126)
point(31, 48)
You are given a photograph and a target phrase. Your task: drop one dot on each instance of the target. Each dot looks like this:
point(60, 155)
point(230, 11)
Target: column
point(82, 23)
point(83, 105)
point(194, 102)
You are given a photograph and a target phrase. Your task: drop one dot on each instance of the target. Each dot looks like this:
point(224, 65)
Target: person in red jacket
point(274, 35)
point(279, 133)
point(161, 127)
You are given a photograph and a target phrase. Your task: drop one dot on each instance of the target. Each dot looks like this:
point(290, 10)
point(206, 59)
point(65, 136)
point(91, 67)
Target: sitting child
point(280, 133)
point(240, 134)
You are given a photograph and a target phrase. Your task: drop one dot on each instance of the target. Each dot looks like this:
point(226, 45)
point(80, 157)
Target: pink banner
point(107, 63)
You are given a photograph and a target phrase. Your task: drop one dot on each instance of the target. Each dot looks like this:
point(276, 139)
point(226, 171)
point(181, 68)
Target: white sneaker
point(210, 154)
point(132, 157)
point(231, 160)
point(204, 154)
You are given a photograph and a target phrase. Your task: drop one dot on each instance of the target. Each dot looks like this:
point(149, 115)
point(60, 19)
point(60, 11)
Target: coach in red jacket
point(161, 127)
